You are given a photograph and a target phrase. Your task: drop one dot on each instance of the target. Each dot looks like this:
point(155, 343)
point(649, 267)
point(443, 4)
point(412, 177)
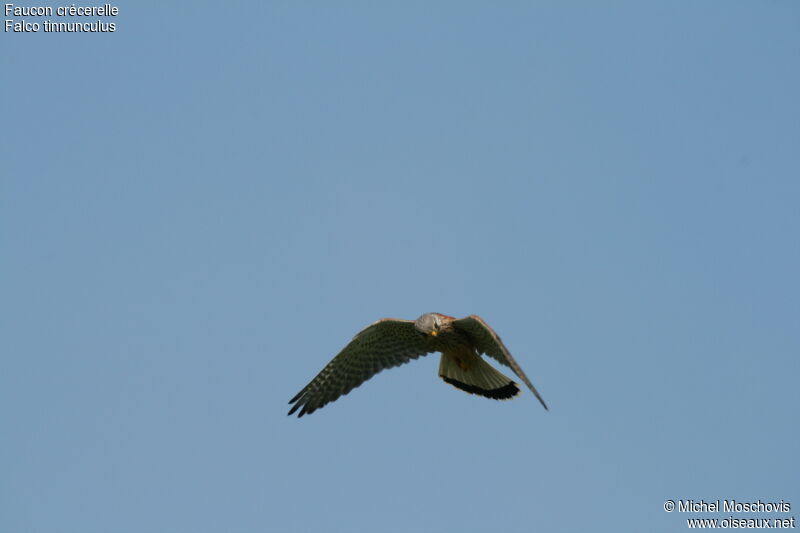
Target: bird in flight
point(391, 342)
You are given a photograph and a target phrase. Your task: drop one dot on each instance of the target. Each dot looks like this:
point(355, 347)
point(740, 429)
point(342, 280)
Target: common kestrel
point(391, 342)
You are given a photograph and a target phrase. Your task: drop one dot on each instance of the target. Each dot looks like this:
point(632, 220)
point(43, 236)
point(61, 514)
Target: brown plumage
point(392, 342)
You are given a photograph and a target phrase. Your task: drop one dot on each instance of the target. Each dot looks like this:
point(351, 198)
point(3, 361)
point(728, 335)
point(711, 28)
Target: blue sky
point(199, 210)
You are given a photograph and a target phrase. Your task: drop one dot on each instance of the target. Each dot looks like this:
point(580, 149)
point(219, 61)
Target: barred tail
point(469, 372)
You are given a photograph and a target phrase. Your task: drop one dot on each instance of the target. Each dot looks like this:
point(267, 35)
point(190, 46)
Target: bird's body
point(392, 342)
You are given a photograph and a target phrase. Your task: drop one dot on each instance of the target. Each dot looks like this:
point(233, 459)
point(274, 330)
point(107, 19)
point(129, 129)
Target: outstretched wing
point(488, 342)
point(384, 344)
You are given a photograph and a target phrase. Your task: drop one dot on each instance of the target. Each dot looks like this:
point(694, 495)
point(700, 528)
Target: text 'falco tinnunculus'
point(392, 342)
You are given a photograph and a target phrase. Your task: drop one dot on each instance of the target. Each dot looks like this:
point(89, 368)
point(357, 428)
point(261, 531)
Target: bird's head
point(429, 324)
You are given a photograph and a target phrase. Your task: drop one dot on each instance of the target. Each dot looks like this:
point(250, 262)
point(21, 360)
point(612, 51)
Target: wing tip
point(299, 405)
point(538, 397)
point(301, 413)
point(544, 405)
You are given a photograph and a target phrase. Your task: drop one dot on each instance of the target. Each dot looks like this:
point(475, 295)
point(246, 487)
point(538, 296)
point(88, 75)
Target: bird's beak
point(434, 333)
